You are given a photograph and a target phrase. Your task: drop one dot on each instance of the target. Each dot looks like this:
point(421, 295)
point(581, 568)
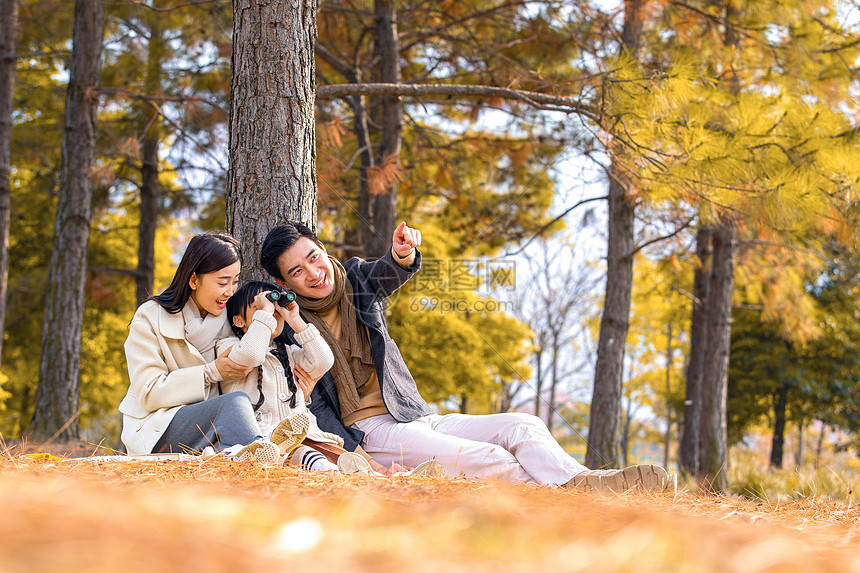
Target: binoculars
point(281, 297)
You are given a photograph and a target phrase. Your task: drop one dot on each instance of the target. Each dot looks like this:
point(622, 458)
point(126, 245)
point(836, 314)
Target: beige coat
point(166, 372)
point(314, 356)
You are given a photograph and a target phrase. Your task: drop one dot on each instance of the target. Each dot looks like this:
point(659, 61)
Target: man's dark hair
point(279, 240)
point(206, 253)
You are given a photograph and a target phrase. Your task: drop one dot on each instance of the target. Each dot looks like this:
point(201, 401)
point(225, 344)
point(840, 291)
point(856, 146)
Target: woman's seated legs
point(219, 422)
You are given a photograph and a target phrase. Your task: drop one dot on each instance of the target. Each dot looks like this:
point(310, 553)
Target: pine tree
point(57, 396)
point(165, 74)
point(606, 400)
point(8, 59)
point(272, 150)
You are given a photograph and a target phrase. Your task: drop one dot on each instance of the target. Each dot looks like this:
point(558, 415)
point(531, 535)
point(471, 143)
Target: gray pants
point(220, 422)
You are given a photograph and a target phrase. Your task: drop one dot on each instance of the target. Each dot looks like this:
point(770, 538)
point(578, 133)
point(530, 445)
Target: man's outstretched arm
point(397, 266)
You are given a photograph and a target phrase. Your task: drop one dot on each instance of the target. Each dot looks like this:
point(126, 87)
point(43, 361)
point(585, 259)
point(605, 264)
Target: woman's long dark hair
point(236, 306)
point(206, 253)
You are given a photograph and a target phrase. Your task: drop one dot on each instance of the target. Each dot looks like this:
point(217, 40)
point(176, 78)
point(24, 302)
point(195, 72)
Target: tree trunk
point(539, 378)
point(59, 369)
point(668, 398)
point(149, 189)
point(712, 437)
point(712, 457)
point(8, 38)
point(272, 157)
point(363, 234)
point(687, 457)
point(780, 400)
point(386, 51)
point(819, 445)
point(606, 400)
point(625, 434)
point(550, 416)
point(365, 208)
point(798, 458)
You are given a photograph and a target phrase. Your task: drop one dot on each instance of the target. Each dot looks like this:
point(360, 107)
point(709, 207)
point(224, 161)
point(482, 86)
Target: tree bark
point(386, 51)
point(687, 457)
point(550, 416)
point(798, 457)
point(149, 189)
point(668, 442)
point(536, 100)
point(59, 369)
point(626, 423)
point(606, 400)
point(819, 446)
point(712, 457)
point(8, 39)
point(360, 127)
point(777, 446)
point(272, 175)
point(712, 438)
point(365, 208)
point(539, 374)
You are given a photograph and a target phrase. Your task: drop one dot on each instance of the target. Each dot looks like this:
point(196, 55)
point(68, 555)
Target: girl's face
point(245, 320)
point(210, 291)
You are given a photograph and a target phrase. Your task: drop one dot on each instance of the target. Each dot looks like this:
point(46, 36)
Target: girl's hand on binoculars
point(292, 317)
point(263, 303)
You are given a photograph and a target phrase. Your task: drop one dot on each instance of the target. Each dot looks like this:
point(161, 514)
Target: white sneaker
point(645, 476)
point(261, 451)
point(430, 468)
point(351, 463)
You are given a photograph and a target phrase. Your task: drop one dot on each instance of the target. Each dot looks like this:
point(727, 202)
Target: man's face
point(306, 269)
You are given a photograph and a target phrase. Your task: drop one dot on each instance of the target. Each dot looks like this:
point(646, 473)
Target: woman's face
point(210, 291)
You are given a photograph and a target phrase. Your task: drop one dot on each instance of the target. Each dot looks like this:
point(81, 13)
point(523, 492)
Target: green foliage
point(471, 186)
point(751, 476)
point(110, 299)
point(167, 75)
point(762, 131)
point(485, 183)
point(760, 360)
point(109, 305)
point(660, 303)
point(822, 373)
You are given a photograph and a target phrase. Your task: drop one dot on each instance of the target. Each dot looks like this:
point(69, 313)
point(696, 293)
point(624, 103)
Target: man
point(369, 397)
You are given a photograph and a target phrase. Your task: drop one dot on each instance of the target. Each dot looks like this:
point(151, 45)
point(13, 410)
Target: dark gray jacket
point(372, 283)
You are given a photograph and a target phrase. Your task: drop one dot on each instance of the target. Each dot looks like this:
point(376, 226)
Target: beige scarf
point(353, 361)
point(202, 333)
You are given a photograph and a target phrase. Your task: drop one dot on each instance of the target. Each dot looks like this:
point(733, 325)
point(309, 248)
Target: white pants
point(511, 446)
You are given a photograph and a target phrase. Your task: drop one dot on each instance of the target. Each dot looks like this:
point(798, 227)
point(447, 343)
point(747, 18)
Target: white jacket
point(314, 356)
point(166, 372)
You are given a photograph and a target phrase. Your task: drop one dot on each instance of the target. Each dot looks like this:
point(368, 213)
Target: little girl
point(280, 406)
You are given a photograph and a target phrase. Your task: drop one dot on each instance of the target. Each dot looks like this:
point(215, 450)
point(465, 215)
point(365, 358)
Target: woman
point(173, 403)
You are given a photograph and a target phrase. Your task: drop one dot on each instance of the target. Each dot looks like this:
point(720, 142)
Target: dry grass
point(217, 515)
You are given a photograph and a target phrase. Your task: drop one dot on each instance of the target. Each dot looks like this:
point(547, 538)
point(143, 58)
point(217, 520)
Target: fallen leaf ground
point(217, 515)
